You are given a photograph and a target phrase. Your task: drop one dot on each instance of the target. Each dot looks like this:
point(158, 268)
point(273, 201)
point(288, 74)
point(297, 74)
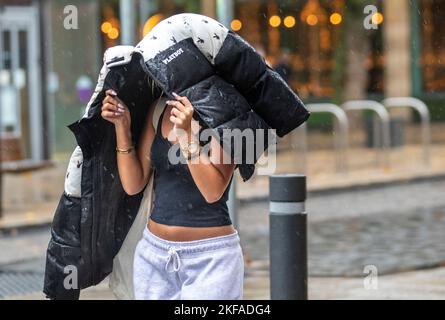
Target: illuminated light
point(289, 21)
point(312, 20)
point(275, 21)
point(377, 18)
point(336, 18)
point(151, 22)
point(106, 27)
point(236, 25)
point(113, 33)
point(114, 22)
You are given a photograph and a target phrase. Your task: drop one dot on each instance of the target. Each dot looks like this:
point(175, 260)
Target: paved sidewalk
point(405, 164)
point(30, 216)
point(424, 284)
point(31, 199)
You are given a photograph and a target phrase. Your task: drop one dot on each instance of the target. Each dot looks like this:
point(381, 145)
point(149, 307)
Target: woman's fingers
point(120, 104)
point(112, 107)
point(184, 100)
point(178, 114)
point(110, 99)
point(175, 120)
point(111, 92)
point(111, 114)
point(177, 104)
point(113, 99)
point(181, 111)
point(114, 110)
point(111, 96)
point(120, 108)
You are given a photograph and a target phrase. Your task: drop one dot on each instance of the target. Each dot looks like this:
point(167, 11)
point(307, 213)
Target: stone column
point(396, 30)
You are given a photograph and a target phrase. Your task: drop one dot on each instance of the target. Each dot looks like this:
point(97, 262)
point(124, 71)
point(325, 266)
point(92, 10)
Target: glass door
point(21, 127)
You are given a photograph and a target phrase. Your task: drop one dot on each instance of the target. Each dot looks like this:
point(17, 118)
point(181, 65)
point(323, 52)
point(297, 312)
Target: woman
point(189, 250)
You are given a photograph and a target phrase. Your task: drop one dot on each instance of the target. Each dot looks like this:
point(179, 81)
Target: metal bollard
point(288, 237)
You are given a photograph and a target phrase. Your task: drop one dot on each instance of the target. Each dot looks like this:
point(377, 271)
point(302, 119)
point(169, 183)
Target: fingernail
point(113, 93)
point(120, 106)
point(116, 114)
point(120, 110)
point(175, 94)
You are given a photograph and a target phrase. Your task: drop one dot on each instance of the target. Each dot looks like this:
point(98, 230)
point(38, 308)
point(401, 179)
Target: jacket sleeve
point(265, 90)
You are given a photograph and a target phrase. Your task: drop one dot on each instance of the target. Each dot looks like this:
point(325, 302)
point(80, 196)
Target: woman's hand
point(115, 111)
point(182, 116)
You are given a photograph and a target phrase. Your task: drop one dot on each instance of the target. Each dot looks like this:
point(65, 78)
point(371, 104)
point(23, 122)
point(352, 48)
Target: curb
point(316, 192)
point(19, 227)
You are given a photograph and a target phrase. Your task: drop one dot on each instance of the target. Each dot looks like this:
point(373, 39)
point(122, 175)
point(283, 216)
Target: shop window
point(300, 38)
point(433, 45)
point(148, 14)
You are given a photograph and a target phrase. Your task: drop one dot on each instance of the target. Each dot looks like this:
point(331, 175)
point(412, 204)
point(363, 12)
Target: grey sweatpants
point(208, 269)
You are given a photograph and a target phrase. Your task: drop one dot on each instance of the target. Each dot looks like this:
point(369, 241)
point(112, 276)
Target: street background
point(376, 177)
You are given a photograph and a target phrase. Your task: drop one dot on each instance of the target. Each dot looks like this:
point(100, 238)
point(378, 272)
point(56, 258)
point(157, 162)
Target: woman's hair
point(155, 90)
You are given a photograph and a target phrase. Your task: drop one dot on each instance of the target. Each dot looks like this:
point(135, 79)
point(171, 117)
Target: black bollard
point(288, 237)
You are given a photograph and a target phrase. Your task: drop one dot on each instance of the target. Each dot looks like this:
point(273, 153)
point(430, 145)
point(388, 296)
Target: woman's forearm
point(130, 170)
point(203, 172)
point(211, 176)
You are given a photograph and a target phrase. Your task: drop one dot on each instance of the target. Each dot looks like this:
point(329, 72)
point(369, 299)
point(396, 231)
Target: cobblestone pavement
point(395, 228)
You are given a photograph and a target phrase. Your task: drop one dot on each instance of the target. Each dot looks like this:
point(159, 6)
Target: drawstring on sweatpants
point(173, 255)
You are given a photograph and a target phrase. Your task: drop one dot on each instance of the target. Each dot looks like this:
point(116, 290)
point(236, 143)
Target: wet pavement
point(395, 228)
point(391, 242)
point(22, 261)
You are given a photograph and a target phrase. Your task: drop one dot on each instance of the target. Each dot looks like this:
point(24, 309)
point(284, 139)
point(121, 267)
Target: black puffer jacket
point(230, 87)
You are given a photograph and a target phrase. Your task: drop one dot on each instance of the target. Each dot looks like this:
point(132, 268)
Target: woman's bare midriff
point(178, 233)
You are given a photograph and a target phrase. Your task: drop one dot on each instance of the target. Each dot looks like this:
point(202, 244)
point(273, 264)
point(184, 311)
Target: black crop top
point(178, 201)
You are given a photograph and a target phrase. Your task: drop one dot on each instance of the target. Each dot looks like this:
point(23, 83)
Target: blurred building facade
point(49, 67)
